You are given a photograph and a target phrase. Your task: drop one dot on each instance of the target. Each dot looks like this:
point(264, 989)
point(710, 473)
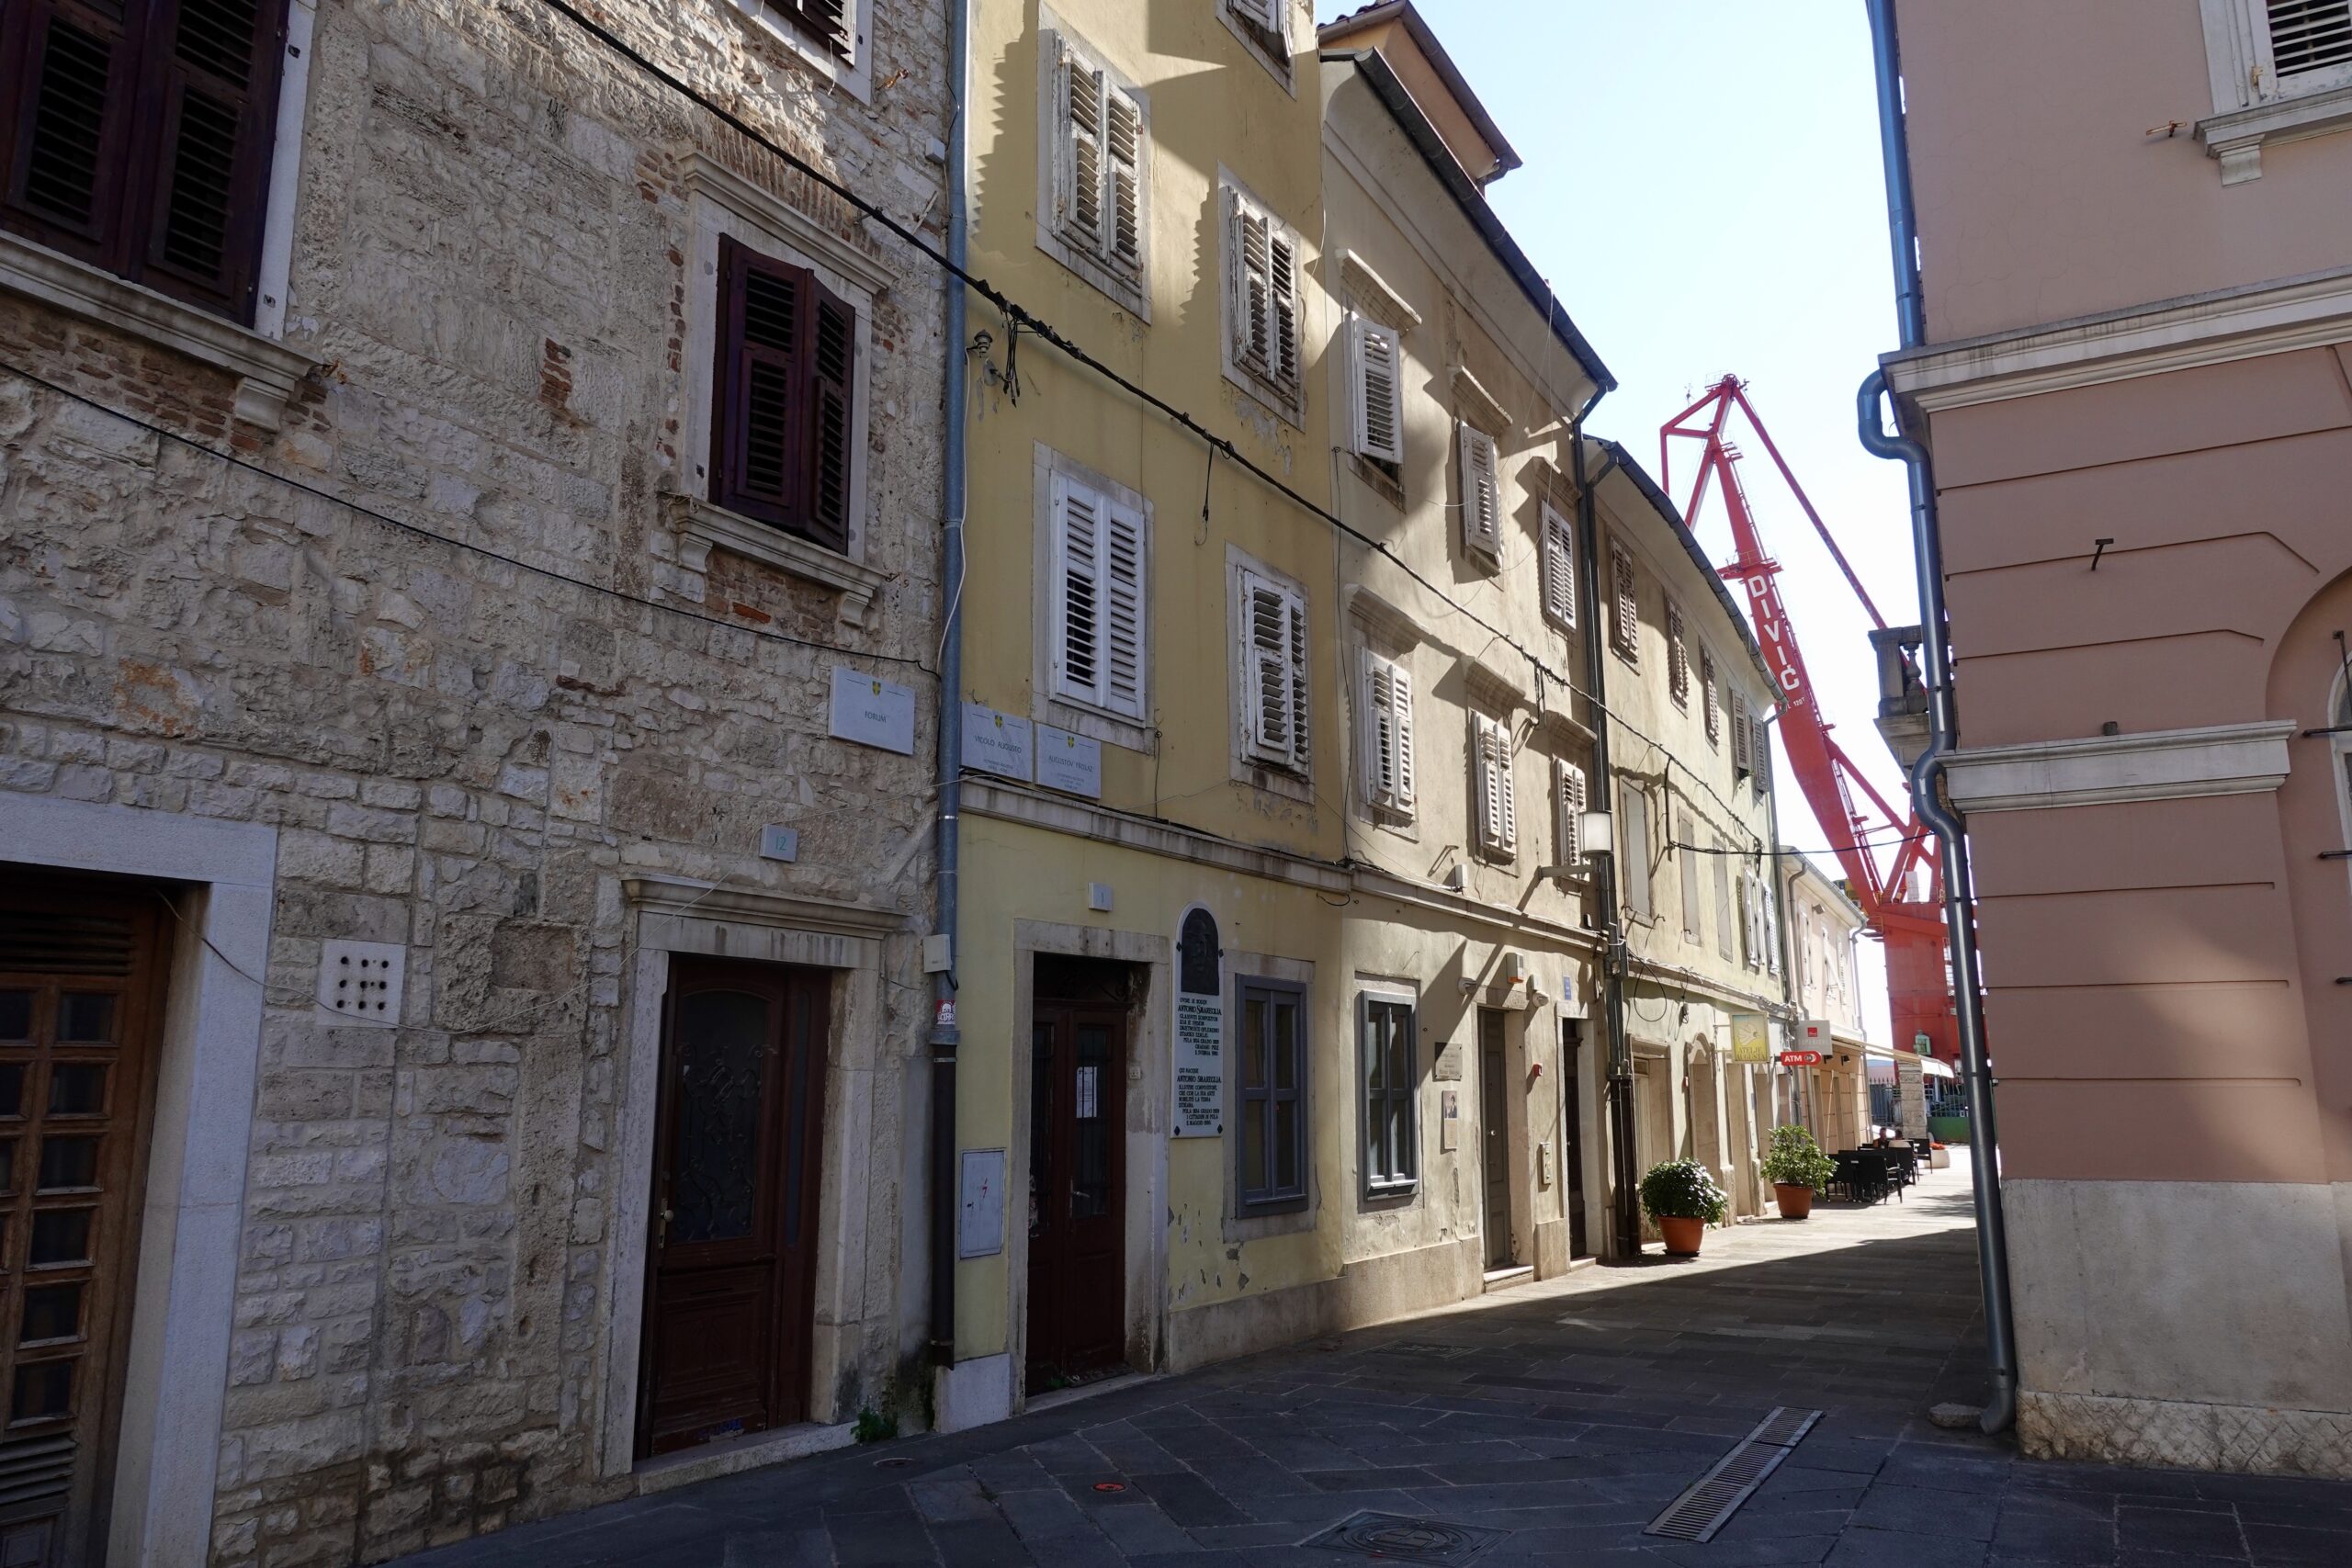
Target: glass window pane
point(1286, 1146)
point(7, 1165)
point(86, 1016)
point(15, 1015)
point(1400, 1051)
point(44, 1390)
point(1375, 1048)
point(68, 1162)
point(722, 1081)
point(12, 1089)
point(1285, 1046)
point(52, 1312)
point(1253, 1044)
point(77, 1088)
point(1253, 1149)
point(1401, 1138)
point(61, 1236)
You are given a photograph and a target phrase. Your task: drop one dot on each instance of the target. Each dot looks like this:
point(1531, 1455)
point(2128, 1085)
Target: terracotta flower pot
point(1682, 1236)
point(1796, 1202)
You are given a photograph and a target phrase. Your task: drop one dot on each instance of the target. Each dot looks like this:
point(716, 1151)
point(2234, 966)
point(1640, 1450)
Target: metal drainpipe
point(944, 1038)
point(1926, 544)
point(1626, 1178)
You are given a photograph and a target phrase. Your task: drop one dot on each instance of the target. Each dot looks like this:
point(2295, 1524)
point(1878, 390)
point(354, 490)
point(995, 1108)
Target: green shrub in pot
point(1683, 1189)
point(1796, 1160)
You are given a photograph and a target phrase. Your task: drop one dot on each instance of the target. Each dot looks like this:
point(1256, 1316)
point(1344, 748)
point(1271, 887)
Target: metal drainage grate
point(1403, 1540)
point(1715, 1496)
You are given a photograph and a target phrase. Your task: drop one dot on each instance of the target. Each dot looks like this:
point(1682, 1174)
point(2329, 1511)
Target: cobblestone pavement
point(1564, 1415)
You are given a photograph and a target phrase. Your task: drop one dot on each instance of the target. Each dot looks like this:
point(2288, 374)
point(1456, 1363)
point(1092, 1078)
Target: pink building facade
point(2136, 243)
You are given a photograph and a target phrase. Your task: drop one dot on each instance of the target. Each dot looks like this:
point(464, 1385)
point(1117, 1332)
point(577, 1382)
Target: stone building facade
point(389, 610)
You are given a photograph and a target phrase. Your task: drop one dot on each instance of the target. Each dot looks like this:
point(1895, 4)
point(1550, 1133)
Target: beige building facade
point(1831, 1100)
point(2136, 382)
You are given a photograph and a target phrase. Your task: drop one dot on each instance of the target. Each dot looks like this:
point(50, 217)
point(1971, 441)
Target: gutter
point(1624, 1184)
point(944, 1039)
point(1926, 773)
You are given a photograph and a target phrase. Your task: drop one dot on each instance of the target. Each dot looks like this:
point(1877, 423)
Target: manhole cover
point(1403, 1540)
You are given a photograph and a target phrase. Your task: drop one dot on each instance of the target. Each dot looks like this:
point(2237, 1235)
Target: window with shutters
point(783, 404)
point(2279, 69)
point(1272, 665)
point(1095, 171)
point(836, 28)
point(1493, 800)
point(1625, 622)
point(1264, 29)
point(1263, 321)
point(1678, 657)
point(1743, 737)
point(1482, 491)
point(1710, 697)
point(1385, 737)
point(1634, 873)
point(138, 137)
point(1559, 568)
point(1271, 1149)
point(1686, 852)
point(1722, 900)
point(1376, 394)
point(1392, 1135)
point(1569, 799)
point(1097, 635)
point(1760, 750)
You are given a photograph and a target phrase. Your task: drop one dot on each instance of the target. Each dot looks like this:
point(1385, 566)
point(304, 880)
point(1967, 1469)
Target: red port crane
point(1884, 851)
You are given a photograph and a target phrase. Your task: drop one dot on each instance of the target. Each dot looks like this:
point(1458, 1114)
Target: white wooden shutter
point(1482, 512)
point(1077, 521)
point(1686, 849)
point(1376, 353)
point(1633, 804)
point(1760, 752)
point(1714, 699)
point(1770, 914)
point(1567, 804)
point(1387, 701)
point(1625, 626)
point(1678, 654)
point(2308, 35)
point(1124, 648)
point(1497, 810)
point(1274, 651)
point(1743, 738)
point(1252, 266)
point(1123, 171)
point(1281, 352)
point(1080, 159)
point(1722, 900)
point(1267, 14)
point(1559, 568)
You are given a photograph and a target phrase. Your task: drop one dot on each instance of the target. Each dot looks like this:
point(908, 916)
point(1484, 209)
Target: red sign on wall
point(1800, 1058)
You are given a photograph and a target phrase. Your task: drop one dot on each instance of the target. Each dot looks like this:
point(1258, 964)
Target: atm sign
point(1800, 1058)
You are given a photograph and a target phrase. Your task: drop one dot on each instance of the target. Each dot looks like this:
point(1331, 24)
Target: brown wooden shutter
point(831, 370)
point(71, 76)
point(212, 90)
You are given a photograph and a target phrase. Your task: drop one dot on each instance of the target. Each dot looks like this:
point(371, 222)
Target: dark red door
point(732, 1265)
point(1077, 1194)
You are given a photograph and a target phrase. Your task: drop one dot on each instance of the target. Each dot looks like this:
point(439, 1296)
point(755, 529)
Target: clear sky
point(1702, 184)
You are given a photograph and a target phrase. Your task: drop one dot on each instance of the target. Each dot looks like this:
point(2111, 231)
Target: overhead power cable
point(1024, 320)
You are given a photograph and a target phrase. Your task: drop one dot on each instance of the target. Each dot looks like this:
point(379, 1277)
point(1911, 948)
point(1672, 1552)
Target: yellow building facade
point(1279, 962)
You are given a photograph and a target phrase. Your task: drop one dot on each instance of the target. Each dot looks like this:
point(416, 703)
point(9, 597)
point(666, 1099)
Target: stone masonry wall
point(460, 754)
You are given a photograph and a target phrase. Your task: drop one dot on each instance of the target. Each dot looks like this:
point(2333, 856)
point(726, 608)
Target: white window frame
point(1275, 16)
point(1122, 598)
point(1685, 851)
point(1285, 769)
point(1712, 697)
point(1633, 850)
point(854, 76)
point(1722, 900)
point(1481, 463)
point(1050, 471)
point(1559, 568)
point(1371, 343)
point(1493, 797)
point(1093, 256)
point(2250, 104)
point(1677, 653)
point(1384, 735)
point(1236, 209)
point(1570, 799)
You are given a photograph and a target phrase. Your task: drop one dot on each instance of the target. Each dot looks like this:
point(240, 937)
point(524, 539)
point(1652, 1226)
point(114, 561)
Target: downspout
point(1626, 1178)
point(944, 1038)
point(1926, 773)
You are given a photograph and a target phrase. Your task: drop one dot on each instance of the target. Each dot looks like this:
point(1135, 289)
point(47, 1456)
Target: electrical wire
point(418, 530)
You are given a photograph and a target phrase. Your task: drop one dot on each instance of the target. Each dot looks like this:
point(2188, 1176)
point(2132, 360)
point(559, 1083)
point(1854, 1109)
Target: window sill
point(1269, 779)
point(267, 371)
point(1129, 294)
point(2236, 140)
point(1287, 405)
point(703, 528)
point(1112, 730)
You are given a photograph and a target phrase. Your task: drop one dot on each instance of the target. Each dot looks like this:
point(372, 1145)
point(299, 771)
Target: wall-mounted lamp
point(1599, 832)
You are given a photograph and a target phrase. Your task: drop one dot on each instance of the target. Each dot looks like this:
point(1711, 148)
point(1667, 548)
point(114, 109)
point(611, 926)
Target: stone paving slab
point(1564, 1415)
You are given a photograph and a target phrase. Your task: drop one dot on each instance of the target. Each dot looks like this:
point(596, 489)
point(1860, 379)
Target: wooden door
point(1493, 1124)
point(1078, 1240)
point(732, 1269)
point(81, 966)
point(1572, 1134)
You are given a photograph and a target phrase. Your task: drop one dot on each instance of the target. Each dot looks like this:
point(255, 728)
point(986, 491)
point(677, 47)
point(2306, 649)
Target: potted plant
point(1684, 1199)
point(1797, 1168)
